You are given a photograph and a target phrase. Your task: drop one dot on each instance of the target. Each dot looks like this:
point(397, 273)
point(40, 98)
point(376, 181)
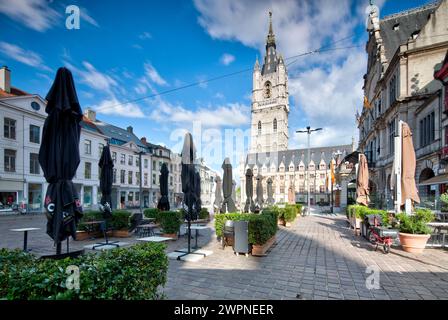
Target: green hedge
point(170, 221)
point(152, 213)
point(119, 274)
point(89, 216)
point(262, 226)
point(360, 212)
point(120, 220)
point(204, 214)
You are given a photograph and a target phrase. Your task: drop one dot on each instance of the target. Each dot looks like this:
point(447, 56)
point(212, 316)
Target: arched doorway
point(351, 192)
point(426, 193)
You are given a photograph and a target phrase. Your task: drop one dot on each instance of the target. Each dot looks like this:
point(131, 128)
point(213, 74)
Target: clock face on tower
point(267, 90)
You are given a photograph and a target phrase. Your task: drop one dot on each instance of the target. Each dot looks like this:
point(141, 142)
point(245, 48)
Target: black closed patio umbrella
point(270, 200)
point(259, 199)
point(228, 205)
point(250, 206)
point(197, 193)
point(164, 203)
point(218, 194)
point(189, 179)
point(106, 165)
point(59, 158)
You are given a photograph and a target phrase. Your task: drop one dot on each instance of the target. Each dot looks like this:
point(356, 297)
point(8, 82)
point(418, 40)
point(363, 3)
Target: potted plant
point(204, 214)
point(444, 202)
point(414, 231)
point(85, 230)
point(120, 223)
point(170, 222)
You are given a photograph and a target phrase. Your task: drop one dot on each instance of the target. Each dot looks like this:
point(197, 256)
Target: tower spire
point(271, 37)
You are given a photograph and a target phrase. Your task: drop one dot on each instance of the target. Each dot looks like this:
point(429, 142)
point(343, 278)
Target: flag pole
point(397, 169)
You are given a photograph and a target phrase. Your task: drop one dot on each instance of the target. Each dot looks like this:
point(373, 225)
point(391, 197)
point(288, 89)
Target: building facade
point(269, 157)
point(404, 50)
point(22, 118)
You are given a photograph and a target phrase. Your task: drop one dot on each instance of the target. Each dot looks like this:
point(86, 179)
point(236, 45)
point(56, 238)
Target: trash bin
point(241, 241)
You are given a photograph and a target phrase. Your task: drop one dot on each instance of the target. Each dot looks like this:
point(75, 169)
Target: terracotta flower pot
point(120, 233)
point(261, 249)
point(413, 243)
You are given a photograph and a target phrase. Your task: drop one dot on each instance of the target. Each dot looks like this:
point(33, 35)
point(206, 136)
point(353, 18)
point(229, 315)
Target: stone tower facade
point(270, 103)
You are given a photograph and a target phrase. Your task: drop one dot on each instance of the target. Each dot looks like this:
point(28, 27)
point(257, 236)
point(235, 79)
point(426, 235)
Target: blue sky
point(128, 50)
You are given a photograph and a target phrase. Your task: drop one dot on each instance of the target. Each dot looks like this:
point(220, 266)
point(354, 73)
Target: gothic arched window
point(259, 127)
point(275, 125)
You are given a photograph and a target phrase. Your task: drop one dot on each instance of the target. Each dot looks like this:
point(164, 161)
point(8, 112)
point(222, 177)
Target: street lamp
point(308, 131)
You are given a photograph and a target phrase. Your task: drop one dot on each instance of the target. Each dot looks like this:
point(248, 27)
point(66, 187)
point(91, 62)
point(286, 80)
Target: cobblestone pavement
point(317, 258)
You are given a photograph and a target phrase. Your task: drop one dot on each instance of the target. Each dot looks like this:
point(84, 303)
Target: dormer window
point(415, 34)
point(396, 27)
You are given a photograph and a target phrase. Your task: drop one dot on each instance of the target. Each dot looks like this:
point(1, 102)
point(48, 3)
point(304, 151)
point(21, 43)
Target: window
point(154, 178)
point(34, 163)
point(302, 189)
point(122, 176)
point(10, 160)
point(392, 89)
point(9, 128)
point(114, 157)
point(322, 175)
point(122, 158)
point(154, 165)
point(88, 170)
point(301, 176)
point(145, 179)
point(322, 189)
point(137, 177)
point(87, 146)
point(391, 136)
point(171, 181)
point(145, 163)
point(130, 177)
point(259, 127)
point(130, 160)
point(34, 134)
point(312, 175)
point(137, 161)
point(275, 125)
point(100, 149)
point(427, 128)
point(114, 178)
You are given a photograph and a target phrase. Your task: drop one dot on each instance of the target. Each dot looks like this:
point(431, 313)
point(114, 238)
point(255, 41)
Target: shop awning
point(440, 179)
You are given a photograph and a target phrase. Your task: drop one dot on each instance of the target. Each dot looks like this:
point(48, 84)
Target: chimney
point(5, 79)
point(143, 140)
point(90, 114)
point(130, 129)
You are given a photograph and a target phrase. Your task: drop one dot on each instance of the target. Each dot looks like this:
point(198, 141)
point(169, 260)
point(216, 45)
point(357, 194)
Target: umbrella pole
point(189, 236)
point(58, 248)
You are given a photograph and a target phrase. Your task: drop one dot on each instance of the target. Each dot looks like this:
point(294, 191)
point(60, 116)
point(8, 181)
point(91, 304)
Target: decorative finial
point(270, 22)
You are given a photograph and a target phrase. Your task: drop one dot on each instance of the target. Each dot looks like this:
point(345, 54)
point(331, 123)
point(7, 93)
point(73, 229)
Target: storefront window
point(87, 196)
point(34, 197)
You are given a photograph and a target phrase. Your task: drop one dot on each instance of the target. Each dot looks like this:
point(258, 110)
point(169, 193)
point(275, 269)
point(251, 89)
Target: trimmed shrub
point(204, 214)
point(416, 223)
point(360, 212)
point(152, 213)
point(118, 274)
point(262, 226)
point(120, 220)
point(170, 221)
point(89, 216)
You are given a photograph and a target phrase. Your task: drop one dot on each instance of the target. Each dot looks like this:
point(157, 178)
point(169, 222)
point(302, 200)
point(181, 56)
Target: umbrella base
point(107, 243)
point(72, 254)
point(186, 252)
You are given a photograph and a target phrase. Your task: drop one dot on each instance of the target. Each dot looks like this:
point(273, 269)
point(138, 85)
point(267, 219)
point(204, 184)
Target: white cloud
point(230, 115)
point(326, 88)
point(145, 35)
point(227, 59)
point(19, 54)
point(152, 73)
point(93, 78)
point(112, 106)
point(85, 15)
point(35, 14)
point(137, 46)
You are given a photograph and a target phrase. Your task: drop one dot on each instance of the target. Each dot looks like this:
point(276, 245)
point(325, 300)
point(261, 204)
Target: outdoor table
point(197, 228)
point(438, 226)
point(146, 229)
point(25, 235)
point(154, 239)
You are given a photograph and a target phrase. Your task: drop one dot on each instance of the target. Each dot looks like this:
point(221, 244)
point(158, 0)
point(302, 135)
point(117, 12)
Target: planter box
point(287, 224)
point(363, 229)
point(260, 250)
point(120, 234)
point(281, 222)
point(84, 235)
point(413, 243)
